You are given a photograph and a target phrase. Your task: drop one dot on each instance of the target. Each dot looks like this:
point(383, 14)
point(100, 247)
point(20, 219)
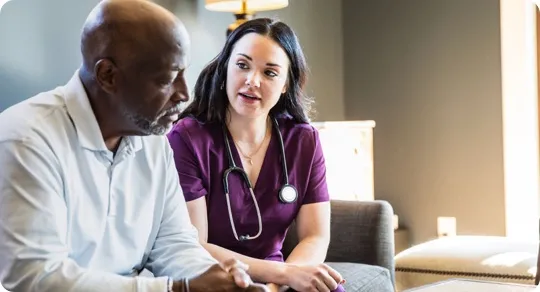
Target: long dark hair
point(210, 101)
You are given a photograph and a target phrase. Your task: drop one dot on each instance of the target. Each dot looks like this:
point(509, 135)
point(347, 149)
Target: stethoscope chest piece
point(288, 194)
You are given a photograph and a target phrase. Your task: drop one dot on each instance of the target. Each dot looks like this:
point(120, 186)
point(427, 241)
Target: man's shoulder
point(43, 115)
point(154, 142)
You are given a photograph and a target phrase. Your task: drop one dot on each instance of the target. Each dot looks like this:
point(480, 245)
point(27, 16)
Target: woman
point(250, 114)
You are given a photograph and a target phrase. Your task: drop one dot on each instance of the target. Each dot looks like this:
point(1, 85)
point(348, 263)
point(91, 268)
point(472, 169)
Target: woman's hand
point(274, 288)
point(310, 278)
point(277, 288)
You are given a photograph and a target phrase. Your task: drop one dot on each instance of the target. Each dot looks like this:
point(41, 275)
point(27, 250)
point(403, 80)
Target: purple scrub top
point(201, 159)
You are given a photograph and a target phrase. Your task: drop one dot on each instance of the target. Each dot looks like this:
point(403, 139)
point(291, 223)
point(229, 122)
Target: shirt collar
point(85, 122)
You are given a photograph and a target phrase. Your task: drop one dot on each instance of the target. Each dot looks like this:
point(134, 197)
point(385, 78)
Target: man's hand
point(309, 278)
point(230, 275)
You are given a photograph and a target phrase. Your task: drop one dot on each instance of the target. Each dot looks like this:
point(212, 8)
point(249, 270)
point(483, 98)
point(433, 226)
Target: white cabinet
point(348, 150)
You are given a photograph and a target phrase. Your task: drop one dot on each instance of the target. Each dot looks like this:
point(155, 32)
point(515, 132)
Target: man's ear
point(105, 72)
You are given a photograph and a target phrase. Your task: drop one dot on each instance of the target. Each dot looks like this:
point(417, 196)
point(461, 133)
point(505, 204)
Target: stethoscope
point(287, 193)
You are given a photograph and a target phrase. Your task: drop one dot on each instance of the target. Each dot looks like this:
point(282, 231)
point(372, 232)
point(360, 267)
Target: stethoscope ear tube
point(282, 150)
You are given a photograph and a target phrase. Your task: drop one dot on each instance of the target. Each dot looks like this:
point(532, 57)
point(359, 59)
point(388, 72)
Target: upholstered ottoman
point(472, 257)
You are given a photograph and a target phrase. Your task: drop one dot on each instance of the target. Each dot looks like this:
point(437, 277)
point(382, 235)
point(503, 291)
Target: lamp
point(244, 10)
point(2, 2)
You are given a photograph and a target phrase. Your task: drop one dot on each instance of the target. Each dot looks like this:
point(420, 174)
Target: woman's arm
point(313, 219)
point(262, 271)
point(313, 227)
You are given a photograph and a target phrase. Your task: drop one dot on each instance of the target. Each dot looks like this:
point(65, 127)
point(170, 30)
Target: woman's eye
point(241, 65)
point(271, 73)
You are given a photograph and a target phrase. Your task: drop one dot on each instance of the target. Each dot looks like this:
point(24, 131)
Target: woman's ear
point(288, 81)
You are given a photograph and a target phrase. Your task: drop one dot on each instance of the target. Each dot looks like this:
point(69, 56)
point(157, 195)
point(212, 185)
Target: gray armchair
point(361, 245)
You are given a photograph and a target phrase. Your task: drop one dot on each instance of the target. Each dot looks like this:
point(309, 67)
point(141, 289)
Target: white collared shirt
point(75, 217)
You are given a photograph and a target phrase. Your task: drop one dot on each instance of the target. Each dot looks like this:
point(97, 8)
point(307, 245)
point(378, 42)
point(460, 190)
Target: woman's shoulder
point(303, 135)
point(292, 127)
point(195, 130)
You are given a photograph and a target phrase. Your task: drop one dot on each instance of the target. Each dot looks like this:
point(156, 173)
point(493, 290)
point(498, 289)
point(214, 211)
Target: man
point(89, 195)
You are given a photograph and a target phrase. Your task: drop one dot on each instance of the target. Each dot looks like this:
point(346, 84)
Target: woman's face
point(256, 75)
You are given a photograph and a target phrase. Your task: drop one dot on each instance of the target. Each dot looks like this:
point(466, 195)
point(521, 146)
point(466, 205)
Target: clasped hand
point(230, 276)
point(311, 278)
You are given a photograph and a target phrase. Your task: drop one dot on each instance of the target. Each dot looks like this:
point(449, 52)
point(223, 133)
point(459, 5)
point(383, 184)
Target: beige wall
point(429, 73)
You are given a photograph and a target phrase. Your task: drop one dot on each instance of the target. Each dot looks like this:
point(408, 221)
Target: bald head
point(131, 31)
point(134, 56)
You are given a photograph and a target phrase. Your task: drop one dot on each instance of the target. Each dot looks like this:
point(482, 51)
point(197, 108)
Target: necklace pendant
point(251, 162)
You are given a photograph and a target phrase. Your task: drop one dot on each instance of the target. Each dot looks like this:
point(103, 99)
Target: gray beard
point(147, 126)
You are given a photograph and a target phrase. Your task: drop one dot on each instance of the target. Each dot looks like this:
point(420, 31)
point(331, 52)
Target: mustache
point(176, 110)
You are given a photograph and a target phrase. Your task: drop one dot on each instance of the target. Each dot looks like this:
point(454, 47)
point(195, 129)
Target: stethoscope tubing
point(234, 168)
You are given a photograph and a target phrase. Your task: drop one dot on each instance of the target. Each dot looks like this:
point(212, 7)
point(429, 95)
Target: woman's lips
point(251, 99)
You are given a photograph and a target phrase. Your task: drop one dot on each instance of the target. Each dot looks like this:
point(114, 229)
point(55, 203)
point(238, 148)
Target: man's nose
point(181, 92)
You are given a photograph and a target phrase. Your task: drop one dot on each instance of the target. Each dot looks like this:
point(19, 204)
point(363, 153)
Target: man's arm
point(177, 251)
point(33, 227)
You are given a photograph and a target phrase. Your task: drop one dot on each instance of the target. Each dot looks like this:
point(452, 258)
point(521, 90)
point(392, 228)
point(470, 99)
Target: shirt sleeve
point(187, 165)
point(177, 251)
point(34, 256)
point(317, 189)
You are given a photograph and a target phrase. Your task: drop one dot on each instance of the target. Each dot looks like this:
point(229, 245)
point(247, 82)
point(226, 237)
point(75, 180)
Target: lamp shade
point(2, 2)
point(251, 5)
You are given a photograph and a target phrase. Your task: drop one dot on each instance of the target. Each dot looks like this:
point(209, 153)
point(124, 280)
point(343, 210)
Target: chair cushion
point(490, 258)
point(364, 278)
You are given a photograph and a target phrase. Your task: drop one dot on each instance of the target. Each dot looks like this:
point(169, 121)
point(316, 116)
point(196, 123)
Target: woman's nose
point(253, 80)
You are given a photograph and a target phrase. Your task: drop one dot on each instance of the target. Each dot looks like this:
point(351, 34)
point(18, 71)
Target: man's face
point(151, 96)
point(154, 101)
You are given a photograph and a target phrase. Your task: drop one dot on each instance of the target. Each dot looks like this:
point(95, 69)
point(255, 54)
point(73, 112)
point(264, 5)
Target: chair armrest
point(361, 232)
